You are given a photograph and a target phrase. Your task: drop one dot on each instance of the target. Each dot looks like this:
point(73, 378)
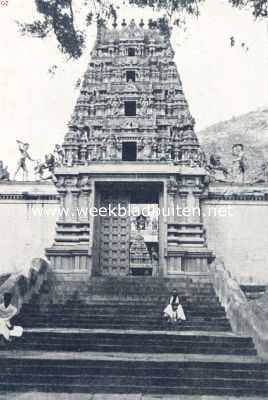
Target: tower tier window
point(131, 51)
point(131, 76)
point(130, 108)
point(129, 151)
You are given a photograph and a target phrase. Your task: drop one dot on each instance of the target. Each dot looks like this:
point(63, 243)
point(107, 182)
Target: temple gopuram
point(130, 142)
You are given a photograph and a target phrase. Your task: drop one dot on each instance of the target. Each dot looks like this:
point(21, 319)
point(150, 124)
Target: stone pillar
point(69, 255)
point(187, 252)
point(74, 204)
point(174, 260)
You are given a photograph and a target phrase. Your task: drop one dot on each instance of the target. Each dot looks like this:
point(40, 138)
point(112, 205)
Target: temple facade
point(133, 175)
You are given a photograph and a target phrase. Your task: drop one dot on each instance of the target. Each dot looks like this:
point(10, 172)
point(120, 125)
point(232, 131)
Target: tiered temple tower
point(130, 142)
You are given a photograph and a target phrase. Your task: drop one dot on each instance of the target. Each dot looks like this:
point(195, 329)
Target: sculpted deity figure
point(58, 155)
point(264, 168)
point(171, 94)
point(147, 148)
point(216, 167)
point(24, 155)
point(262, 176)
point(4, 174)
point(145, 108)
point(39, 170)
point(239, 163)
point(115, 105)
point(48, 165)
point(83, 134)
point(155, 149)
point(95, 150)
point(111, 147)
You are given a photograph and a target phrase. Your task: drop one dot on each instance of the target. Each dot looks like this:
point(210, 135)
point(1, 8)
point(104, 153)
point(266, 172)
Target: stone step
point(125, 312)
point(207, 303)
point(54, 321)
point(148, 327)
point(134, 343)
point(118, 322)
point(134, 377)
point(127, 286)
point(195, 371)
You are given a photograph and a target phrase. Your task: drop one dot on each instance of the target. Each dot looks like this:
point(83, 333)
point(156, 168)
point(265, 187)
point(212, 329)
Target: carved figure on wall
point(146, 147)
point(216, 168)
point(39, 170)
point(170, 95)
point(264, 168)
point(145, 108)
point(50, 162)
point(24, 155)
point(262, 177)
point(111, 145)
point(94, 153)
point(172, 186)
point(155, 149)
point(48, 165)
point(188, 135)
point(168, 151)
point(115, 105)
point(201, 158)
point(162, 149)
point(239, 163)
point(83, 134)
point(69, 157)
point(59, 155)
point(4, 174)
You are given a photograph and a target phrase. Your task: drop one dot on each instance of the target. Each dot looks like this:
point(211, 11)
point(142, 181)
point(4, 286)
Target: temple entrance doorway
point(127, 229)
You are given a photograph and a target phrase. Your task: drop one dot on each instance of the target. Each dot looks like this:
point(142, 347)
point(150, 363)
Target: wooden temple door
point(114, 236)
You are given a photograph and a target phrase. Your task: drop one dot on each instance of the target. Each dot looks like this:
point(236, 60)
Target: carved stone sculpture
point(239, 163)
point(59, 155)
point(115, 105)
point(23, 148)
point(4, 174)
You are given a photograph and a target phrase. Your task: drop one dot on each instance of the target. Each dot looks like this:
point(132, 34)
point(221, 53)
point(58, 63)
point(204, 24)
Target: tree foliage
point(57, 17)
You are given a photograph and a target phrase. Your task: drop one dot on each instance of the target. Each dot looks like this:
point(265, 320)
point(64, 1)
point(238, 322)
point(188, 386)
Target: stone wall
point(236, 221)
point(28, 218)
point(239, 236)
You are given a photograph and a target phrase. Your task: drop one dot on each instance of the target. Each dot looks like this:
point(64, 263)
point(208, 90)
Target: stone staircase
point(110, 338)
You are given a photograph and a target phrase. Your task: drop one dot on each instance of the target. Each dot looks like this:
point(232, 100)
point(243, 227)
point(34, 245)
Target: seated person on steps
point(174, 311)
point(7, 312)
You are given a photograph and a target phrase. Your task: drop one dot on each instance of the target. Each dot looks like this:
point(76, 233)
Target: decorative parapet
point(248, 318)
point(23, 287)
point(238, 192)
point(28, 192)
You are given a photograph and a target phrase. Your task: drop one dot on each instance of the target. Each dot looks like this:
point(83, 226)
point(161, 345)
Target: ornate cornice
point(238, 192)
point(28, 192)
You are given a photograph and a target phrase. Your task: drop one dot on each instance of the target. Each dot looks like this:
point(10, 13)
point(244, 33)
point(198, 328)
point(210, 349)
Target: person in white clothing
point(7, 312)
point(174, 311)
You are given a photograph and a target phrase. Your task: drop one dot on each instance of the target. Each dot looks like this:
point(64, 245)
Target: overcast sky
point(219, 81)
